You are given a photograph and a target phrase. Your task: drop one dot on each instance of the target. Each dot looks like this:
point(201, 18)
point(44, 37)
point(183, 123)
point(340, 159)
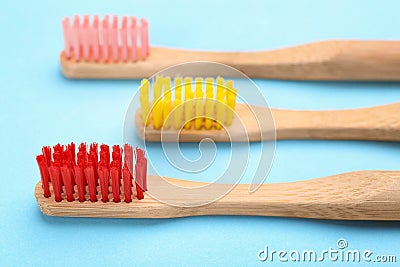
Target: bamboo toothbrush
point(212, 104)
point(109, 50)
point(360, 195)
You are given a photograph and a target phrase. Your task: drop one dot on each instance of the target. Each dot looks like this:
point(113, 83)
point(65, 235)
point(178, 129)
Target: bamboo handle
point(380, 123)
point(374, 123)
point(362, 195)
point(327, 60)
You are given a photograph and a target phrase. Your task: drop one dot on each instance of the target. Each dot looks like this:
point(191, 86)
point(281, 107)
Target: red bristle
point(58, 151)
point(67, 169)
point(115, 181)
point(80, 182)
point(127, 179)
point(66, 174)
point(55, 178)
point(128, 157)
point(138, 181)
point(93, 157)
point(71, 149)
point(105, 154)
point(44, 174)
point(93, 153)
point(82, 158)
point(142, 162)
point(144, 174)
point(140, 173)
point(89, 174)
point(117, 157)
point(46, 150)
point(104, 176)
point(67, 162)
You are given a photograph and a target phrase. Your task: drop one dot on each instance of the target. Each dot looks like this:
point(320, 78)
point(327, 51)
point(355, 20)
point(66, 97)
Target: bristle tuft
point(61, 169)
point(105, 40)
point(203, 104)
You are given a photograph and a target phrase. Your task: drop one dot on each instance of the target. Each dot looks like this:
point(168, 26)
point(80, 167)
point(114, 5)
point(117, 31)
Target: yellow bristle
point(188, 102)
point(198, 123)
point(144, 101)
point(178, 103)
point(209, 103)
point(158, 103)
point(219, 105)
point(230, 102)
point(167, 102)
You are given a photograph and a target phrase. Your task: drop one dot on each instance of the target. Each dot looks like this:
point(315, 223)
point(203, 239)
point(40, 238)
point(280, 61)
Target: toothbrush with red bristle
point(85, 176)
point(86, 185)
point(119, 48)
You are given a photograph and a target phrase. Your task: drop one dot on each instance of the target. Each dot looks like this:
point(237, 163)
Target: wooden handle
point(362, 195)
point(380, 123)
point(327, 60)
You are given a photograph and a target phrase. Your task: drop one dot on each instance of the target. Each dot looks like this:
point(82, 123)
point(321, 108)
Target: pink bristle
point(114, 39)
point(124, 39)
point(105, 39)
point(66, 174)
point(127, 179)
point(44, 175)
point(94, 39)
point(55, 177)
point(84, 36)
point(75, 38)
point(80, 182)
point(115, 181)
point(144, 37)
point(104, 176)
point(133, 35)
point(67, 37)
point(89, 174)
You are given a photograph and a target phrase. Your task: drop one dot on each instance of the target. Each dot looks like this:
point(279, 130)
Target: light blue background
point(40, 107)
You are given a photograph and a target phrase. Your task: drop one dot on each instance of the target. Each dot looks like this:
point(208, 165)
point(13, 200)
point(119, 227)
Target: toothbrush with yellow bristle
point(206, 108)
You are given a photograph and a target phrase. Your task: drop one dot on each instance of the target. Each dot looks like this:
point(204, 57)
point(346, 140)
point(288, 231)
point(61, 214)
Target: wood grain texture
point(326, 60)
point(380, 123)
point(360, 195)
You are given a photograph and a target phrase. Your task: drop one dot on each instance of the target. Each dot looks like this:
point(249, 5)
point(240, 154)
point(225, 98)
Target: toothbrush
point(104, 49)
point(359, 195)
point(216, 115)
